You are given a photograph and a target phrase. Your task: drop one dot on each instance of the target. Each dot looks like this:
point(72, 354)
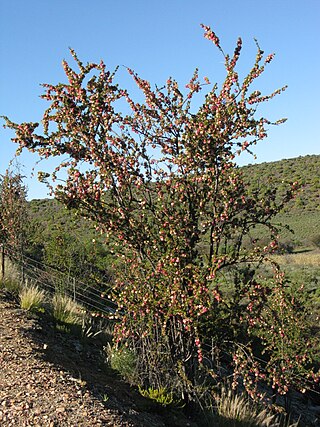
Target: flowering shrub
point(162, 184)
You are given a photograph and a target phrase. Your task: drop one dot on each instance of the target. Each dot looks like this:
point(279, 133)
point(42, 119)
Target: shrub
point(316, 240)
point(286, 247)
point(160, 182)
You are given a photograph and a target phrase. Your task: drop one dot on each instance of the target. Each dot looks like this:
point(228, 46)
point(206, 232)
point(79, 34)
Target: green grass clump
point(32, 298)
point(124, 361)
point(162, 396)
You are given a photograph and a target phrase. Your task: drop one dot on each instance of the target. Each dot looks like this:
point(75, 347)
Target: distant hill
point(303, 213)
point(304, 170)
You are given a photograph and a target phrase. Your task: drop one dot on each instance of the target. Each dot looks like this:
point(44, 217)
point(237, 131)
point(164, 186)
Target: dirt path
point(50, 379)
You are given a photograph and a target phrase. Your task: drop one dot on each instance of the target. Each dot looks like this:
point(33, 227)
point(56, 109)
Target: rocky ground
point(48, 378)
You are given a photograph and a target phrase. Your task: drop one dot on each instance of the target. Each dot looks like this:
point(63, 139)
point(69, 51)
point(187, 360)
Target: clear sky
point(159, 39)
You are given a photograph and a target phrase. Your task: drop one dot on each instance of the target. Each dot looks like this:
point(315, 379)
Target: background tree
point(13, 211)
point(162, 184)
point(59, 238)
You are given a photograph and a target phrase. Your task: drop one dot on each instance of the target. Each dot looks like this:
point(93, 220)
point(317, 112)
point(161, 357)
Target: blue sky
point(160, 39)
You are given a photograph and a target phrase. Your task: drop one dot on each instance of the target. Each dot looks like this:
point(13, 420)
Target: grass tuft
point(66, 311)
point(32, 298)
point(124, 361)
point(12, 280)
point(234, 410)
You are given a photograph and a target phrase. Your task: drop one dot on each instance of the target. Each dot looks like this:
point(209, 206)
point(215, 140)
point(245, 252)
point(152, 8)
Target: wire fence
point(53, 281)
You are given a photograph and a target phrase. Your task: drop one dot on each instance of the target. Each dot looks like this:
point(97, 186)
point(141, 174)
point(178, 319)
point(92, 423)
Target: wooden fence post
point(2, 263)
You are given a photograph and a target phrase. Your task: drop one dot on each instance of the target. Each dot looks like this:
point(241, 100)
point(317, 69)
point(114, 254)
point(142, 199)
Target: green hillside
point(302, 214)
point(304, 170)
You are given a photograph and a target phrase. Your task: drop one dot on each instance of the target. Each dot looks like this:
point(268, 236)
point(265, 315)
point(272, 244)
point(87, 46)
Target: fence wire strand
point(55, 281)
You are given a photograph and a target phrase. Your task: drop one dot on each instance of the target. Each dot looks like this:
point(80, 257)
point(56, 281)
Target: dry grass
point(12, 279)
point(65, 310)
point(299, 259)
point(238, 411)
point(32, 298)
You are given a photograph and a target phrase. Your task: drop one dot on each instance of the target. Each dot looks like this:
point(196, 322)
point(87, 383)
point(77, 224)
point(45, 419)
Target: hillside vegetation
point(50, 218)
point(302, 214)
point(304, 170)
